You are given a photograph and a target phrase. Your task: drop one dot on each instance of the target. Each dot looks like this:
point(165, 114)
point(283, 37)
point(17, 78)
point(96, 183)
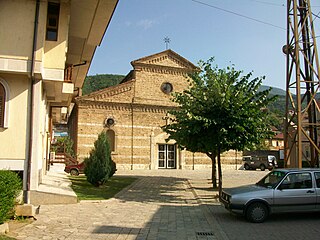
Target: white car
point(282, 190)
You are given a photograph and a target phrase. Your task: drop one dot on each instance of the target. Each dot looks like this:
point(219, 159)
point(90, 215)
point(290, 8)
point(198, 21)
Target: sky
point(248, 34)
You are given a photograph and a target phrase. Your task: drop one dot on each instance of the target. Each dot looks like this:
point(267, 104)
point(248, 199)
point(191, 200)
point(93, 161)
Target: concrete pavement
point(55, 188)
point(161, 204)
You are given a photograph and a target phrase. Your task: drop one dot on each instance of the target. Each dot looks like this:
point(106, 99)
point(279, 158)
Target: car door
point(295, 193)
point(317, 178)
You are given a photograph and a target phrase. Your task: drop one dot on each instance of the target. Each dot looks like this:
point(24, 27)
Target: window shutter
point(2, 102)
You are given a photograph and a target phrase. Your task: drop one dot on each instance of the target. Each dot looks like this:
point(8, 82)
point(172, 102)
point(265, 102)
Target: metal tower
point(302, 110)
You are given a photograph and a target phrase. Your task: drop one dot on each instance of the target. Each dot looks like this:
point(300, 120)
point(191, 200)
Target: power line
point(239, 15)
point(276, 4)
point(268, 3)
point(316, 15)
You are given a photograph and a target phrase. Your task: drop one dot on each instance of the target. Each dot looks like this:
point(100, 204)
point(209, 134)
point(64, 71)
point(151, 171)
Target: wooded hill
point(100, 81)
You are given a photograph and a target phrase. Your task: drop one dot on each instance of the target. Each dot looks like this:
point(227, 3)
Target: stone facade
point(133, 112)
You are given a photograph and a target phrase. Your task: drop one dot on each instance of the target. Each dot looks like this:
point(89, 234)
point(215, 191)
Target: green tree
point(99, 167)
point(63, 144)
point(221, 110)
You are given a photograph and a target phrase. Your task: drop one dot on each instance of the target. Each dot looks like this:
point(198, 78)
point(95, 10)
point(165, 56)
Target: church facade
point(132, 114)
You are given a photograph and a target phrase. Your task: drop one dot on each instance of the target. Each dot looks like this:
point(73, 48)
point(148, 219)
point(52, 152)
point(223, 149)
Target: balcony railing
point(68, 74)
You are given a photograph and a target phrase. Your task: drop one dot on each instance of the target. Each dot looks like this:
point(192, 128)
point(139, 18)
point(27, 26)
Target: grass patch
point(86, 191)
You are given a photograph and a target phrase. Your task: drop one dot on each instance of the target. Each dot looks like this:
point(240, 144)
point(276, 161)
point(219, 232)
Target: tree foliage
point(99, 166)
point(221, 110)
point(63, 144)
point(100, 81)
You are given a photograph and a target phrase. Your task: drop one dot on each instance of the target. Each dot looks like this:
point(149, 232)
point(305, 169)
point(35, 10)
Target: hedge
point(10, 187)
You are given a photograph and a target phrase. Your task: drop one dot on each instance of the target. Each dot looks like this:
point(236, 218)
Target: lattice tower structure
point(302, 125)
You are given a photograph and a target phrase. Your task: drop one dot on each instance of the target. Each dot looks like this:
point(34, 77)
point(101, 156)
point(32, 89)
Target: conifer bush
point(10, 187)
point(99, 165)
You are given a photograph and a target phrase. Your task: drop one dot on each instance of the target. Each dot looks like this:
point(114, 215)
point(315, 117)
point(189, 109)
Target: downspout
point(132, 134)
point(35, 33)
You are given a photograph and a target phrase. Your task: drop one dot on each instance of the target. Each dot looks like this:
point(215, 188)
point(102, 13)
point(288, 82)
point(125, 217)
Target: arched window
point(111, 138)
point(2, 104)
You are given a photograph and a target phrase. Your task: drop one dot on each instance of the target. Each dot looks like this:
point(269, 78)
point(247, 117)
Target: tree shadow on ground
point(158, 189)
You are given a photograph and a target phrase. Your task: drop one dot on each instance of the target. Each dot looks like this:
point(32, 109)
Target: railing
point(61, 156)
point(68, 74)
point(64, 158)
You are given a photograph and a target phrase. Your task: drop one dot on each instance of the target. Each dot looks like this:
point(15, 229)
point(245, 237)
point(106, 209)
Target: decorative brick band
point(88, 104)
point(116, 91)
point(162, 69)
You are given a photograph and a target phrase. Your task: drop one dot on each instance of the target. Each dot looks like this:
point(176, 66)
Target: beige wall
point(17, 23)
point(14, 138)
point(15, 57)
point(17, 43)
point(55, 51)
point(40, 134)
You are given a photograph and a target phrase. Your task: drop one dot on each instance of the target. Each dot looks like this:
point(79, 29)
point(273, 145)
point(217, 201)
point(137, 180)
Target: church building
point(132, 114)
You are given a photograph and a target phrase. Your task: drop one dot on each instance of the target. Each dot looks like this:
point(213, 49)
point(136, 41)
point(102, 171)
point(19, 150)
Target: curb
point(4, 228)
point(219, 233)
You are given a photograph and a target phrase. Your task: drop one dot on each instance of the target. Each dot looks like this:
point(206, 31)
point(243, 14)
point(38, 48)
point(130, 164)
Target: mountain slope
point(274, 91)
point(100, 81)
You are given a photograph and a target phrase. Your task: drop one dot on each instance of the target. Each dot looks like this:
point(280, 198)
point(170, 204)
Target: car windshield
point(271, 180)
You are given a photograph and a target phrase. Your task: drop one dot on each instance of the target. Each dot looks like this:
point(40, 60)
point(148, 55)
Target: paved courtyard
point(165, 204)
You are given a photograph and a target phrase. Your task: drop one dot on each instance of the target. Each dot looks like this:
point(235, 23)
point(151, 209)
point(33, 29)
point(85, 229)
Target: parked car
point(75, 170)
point(282, 190)
point(262, 162)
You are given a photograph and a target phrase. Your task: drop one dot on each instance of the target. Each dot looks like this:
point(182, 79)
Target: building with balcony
point(45, 53)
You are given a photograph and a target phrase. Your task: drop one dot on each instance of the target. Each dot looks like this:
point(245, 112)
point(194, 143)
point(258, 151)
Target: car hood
point(244, 189)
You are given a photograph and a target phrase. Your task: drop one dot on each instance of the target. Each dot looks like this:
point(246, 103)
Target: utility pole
point(302, 124)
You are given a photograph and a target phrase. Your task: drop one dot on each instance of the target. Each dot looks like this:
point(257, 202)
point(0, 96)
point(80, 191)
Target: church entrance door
point(167, 156)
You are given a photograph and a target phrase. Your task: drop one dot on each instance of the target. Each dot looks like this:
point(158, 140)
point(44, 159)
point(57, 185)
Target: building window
point(166, 87)
point(109, 122)
point(2, 104)
point(111, 138)
point(52, 21)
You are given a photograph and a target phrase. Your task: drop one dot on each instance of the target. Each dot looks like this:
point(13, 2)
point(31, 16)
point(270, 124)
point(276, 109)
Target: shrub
point(113, 168)
point(99, 167)
point(10, 187)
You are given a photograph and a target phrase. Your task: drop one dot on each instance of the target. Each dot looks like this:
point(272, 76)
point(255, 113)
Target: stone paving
point(161, 204)
point(152, 208)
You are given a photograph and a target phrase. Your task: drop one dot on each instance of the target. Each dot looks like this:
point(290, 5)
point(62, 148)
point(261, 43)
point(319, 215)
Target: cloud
point(143, 23)
point(128, 23)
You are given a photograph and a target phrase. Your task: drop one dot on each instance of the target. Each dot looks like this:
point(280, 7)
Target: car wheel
point(257, 212)
point(74, 172)
point(246, 167)
point(262, 167)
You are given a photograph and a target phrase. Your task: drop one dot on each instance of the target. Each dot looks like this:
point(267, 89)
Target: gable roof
point(108, 93)
point(162, 58)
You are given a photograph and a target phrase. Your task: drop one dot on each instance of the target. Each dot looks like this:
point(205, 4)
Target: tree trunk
point(214, 171)
point(219, 172)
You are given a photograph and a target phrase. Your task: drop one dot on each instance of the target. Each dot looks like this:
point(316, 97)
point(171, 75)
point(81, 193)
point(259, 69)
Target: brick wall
point(139, 108)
